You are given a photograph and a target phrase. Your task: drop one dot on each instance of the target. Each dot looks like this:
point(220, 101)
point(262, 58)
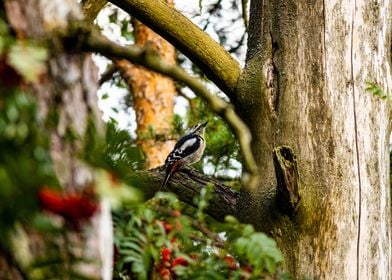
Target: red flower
point(72, 207)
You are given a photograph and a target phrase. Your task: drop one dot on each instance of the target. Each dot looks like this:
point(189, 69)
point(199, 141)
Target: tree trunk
point(304, 83)
point(68, 89)
point(153, 97)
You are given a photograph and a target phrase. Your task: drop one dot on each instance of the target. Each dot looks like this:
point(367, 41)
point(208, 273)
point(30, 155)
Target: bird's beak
point(204, 124)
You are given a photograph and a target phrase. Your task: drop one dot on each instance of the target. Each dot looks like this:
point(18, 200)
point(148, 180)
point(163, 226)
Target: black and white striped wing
point(185, 147)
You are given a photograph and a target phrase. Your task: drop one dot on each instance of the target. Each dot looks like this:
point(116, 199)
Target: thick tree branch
point(218, 65)
point(94, 41)
point(187, 184)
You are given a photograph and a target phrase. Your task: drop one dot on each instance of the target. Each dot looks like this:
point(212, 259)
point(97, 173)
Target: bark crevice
point(287, 177)
point(356, 142)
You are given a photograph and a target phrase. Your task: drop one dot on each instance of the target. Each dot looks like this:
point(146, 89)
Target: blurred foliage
point(158, 238)
point(20, 57)
point(115, 150)
point(25, 162)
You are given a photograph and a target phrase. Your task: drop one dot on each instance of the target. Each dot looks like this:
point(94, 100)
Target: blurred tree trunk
point(68, 91)
point(153, 97)
point(305, 87)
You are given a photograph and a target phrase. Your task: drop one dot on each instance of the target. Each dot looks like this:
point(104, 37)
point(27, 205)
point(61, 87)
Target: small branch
point(188, 184)
point(214, 243)
point(218, 242)
point(108, 74)
point(218, 65)
point(95, 42)
point(287, 176)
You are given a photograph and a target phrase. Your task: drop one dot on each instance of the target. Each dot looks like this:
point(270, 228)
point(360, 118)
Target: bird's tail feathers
point(167, 177)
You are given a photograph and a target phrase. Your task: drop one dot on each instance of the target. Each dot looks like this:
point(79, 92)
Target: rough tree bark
point(68, 88)
point(304, 82)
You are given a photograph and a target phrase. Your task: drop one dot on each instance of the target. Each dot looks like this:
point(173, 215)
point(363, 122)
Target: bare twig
point(108, 74)
point(218, 242)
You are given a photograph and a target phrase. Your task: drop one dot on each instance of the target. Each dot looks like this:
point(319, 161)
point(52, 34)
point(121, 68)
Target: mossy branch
point(91, 40)
point(187, 184)
point(215, 62)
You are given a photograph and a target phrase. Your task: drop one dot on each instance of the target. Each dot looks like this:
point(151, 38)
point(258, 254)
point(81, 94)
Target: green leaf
point(28, 60)
point(248, 230)
point(132, 246)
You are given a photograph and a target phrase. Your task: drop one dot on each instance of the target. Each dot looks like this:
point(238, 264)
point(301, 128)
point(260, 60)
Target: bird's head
point(198, 128)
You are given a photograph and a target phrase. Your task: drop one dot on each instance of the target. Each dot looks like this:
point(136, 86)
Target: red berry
point(168, 227)
point(179, 261)
point(176, 213)
point(72, 207)
point(230, 262)
point(50, 200)
point(165, 254)
point(165, 273)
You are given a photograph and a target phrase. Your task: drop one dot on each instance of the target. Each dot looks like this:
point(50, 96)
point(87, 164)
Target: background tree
point(153, 98)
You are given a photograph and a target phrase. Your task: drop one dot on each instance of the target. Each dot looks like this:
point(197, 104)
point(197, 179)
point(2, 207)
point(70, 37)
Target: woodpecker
point(188, 150)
